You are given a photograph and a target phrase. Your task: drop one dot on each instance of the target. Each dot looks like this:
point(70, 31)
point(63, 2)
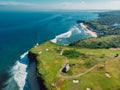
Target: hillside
point(110, 41)
point(93, 69)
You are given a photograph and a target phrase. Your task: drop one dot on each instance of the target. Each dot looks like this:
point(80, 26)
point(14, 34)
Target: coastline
point(19, 75)
point(93, 34)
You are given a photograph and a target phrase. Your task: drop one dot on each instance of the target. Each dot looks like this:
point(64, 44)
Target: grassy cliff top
point(97, 69)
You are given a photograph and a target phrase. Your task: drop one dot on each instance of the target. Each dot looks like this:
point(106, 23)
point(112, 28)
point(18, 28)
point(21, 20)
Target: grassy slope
point(50, 63)
point(96, 79)
point(111, 41)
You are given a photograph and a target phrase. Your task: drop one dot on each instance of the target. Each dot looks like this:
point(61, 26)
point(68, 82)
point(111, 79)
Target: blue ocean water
point(19, 31)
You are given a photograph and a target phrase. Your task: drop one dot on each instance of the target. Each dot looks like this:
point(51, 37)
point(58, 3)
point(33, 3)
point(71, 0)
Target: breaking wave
point(75, 33)
point(19, 75)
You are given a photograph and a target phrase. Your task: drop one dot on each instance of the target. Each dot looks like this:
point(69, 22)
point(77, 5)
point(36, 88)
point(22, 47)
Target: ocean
point(20, 31)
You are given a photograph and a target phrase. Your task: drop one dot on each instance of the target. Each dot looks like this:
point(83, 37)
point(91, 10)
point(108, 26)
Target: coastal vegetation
point(71, 53)
point(88, 66)
point(111, 41)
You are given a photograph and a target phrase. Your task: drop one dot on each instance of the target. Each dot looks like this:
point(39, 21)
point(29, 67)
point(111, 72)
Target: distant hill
point(106, 24)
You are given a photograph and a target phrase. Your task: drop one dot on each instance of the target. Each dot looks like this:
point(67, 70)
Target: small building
point(66, 68)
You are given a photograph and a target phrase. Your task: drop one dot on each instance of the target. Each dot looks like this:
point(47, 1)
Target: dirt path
point(61, 53)
point(59, 82)
point(81, 74)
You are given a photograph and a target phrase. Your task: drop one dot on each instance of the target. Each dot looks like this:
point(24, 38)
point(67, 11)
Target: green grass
point(50, 63)
point(71, 53)
point(96, 79)
point(110, 41)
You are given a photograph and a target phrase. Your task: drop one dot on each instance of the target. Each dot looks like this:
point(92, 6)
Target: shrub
point(71, 53)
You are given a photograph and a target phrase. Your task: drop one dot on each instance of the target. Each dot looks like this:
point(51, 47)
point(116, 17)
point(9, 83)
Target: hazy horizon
point(38, 5)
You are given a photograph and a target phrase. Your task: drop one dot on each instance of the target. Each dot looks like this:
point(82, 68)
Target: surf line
point(21, 74)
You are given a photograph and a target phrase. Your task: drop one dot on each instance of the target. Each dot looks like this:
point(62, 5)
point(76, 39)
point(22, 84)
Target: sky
point(59, 4)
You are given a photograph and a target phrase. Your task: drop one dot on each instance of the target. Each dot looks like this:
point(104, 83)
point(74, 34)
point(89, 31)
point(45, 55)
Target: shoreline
point(19, 75)
point(93, 34)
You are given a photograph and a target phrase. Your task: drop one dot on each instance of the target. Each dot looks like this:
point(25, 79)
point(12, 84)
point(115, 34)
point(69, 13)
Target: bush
point(71, 53)
point(112, 41)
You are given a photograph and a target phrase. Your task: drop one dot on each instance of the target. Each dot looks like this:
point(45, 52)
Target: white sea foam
point(19, 74)
point(64, 35)
point(23, 55)
point(73, 31)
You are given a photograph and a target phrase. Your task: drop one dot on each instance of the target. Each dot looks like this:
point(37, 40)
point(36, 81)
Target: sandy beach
point(93, 34)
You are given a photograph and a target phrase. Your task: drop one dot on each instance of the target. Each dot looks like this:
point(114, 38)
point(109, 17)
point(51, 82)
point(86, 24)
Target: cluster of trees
point(71, 53)
point(109, 18)
point(111, 41)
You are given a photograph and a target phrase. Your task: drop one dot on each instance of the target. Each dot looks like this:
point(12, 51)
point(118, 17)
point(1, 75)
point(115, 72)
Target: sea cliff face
point(35, 82)
point(31, 56)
